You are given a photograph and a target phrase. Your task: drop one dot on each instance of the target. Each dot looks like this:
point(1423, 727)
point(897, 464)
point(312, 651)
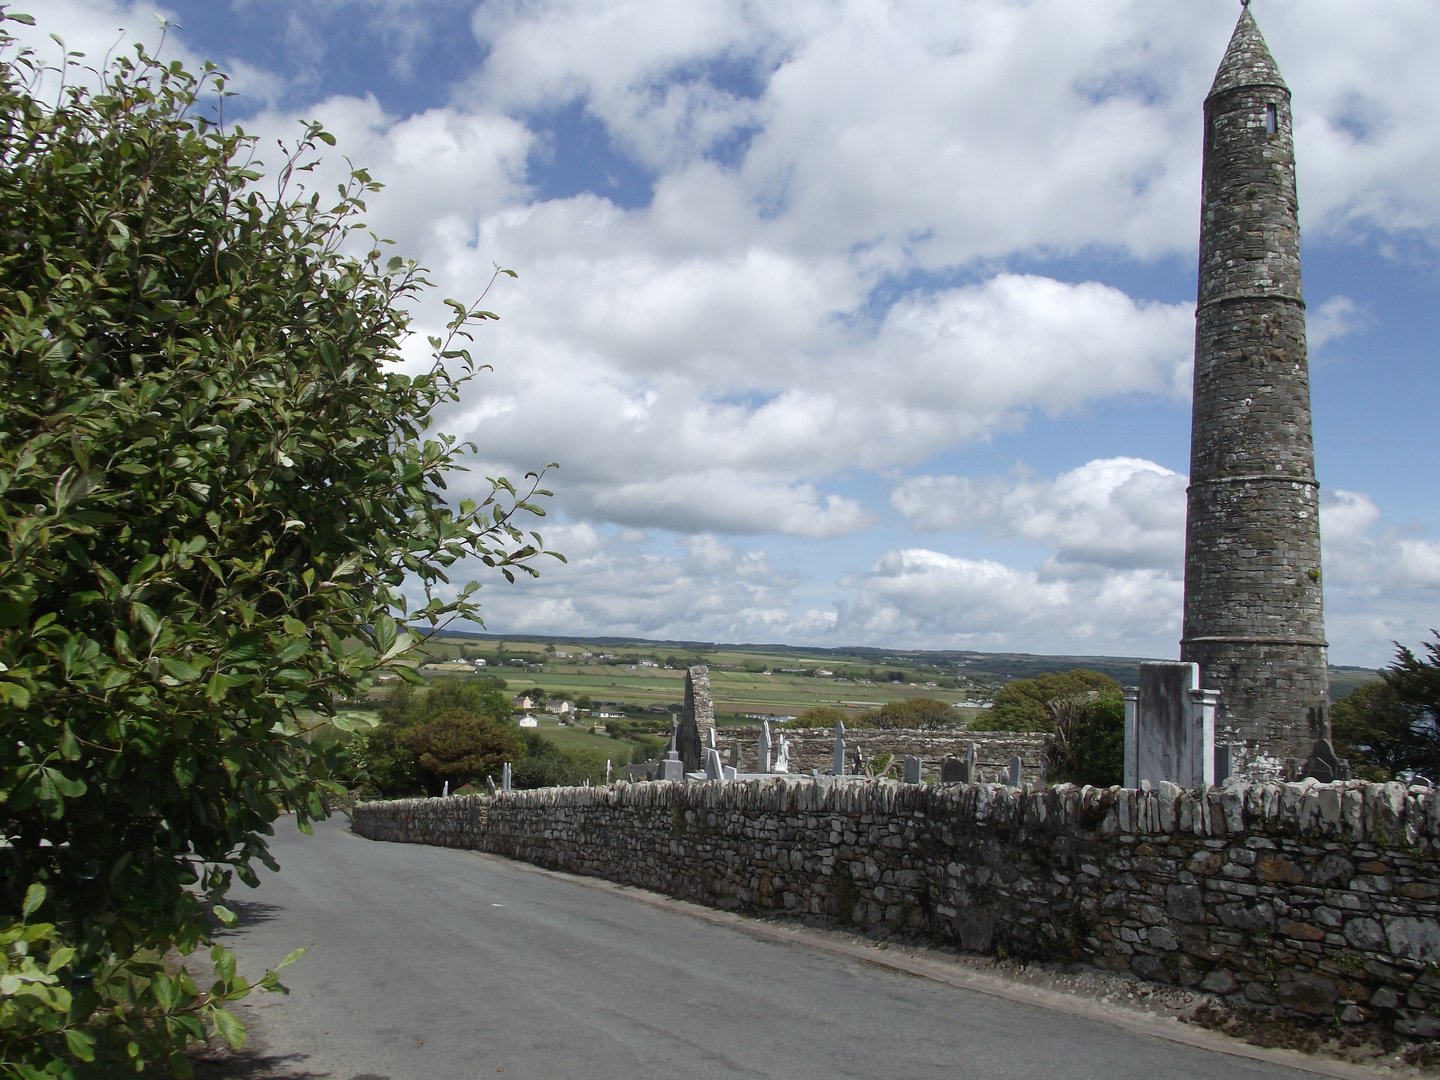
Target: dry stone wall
point(1314, 900)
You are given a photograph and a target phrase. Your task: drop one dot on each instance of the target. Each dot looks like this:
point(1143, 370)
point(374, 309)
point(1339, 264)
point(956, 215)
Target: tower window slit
point(1272, 123)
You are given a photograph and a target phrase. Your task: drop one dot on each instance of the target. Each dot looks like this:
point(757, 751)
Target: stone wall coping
point(1348, 810)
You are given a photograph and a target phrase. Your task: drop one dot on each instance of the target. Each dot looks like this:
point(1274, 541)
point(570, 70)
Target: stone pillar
point(838, 764)
point(1132, 761)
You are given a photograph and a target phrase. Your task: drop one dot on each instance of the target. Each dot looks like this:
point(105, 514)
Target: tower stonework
point(1254, 619)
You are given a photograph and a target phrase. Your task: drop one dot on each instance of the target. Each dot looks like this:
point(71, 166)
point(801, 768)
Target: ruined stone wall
point(813, 748)
point(1313, 900)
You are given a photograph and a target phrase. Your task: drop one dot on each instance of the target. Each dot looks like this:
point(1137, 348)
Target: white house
point(529, 721)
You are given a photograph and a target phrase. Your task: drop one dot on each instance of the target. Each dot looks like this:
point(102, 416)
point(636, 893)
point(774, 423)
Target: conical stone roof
point(1247, 61)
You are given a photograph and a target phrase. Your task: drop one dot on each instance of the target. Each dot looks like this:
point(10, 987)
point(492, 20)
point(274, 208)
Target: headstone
point(490, 785)
point(838, 762)
point(713, 769)
point(710, 738)
point(445, 792)
point(607, 770)
point(699, 717)
point(731, 774)
point(670, 767)
point(1222, 762)
point(952, 770)
point(505, 776)
point(1173, 735)
point(1017, 771)
point(1322, 763)
point(972, 764)
point(734, 755)
point(782, 759)
point(912, 769)
point(762, 749)
point(859, 769)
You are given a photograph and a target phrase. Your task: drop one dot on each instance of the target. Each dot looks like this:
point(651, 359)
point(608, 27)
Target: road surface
point(433, 964)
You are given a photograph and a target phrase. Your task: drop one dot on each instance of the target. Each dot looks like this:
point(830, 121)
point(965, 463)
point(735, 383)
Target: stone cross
point(838, 768)
point(763, 748)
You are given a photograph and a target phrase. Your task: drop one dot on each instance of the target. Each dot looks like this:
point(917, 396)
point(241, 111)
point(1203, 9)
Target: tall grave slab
point(697, 725)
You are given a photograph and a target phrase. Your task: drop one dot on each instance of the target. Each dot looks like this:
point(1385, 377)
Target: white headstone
point(505, 777)
point(763, 748)
point(1173, 735)
point(714, 770)
point(782, 759)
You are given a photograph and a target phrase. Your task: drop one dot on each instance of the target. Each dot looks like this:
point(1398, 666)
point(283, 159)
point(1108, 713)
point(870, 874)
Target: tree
point(1024, 704)
point(1392, 726)
point(213, 483)
point(460, 747)
point(1087, 741)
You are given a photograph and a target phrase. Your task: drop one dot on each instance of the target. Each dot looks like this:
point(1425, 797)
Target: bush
point(925, 714)
point(547, 765)
point(823, 716)
point(1087, 745)
point(378, 762)
point(460, 747)
point(215, 482)
point(1024, 704)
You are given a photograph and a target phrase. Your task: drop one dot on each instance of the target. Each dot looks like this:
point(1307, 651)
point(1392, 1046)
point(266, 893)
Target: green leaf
point(385, 633)
point(81, 1044)
point(34, 897)
point(227, 917)
point(295, 954)
point(229, 1027)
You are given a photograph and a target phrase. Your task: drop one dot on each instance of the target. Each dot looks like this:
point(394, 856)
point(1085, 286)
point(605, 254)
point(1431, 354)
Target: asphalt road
point(433, 964)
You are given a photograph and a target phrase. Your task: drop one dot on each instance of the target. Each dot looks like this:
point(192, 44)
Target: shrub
point(547, 765)
point(214, 483)
point(1024, 704)
point(459, 746)
point(1087, 744)
point(913, 713)
point(823, 716)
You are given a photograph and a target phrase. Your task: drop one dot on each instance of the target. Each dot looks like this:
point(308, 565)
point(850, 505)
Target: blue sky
point(870, 323)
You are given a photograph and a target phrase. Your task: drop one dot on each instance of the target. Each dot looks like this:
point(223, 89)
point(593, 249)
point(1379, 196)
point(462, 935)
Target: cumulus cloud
point(617, 584)
point(1117, 513)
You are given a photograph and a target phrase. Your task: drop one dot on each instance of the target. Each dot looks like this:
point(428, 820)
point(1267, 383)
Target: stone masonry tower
point(1254, 621)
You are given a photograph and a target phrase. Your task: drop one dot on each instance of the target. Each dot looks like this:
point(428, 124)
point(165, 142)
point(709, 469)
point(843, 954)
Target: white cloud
point(1335, 318)
point(614, 585)
point(1119, 513)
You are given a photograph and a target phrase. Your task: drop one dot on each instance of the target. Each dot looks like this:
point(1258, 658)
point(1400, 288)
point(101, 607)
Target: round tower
point(1254, 620)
